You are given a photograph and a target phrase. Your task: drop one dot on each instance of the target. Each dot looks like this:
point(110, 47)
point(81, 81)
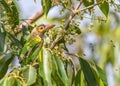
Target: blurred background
point(99, 41)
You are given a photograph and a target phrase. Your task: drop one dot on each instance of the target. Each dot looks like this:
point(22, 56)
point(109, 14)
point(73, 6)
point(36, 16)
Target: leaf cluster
point(47, 67)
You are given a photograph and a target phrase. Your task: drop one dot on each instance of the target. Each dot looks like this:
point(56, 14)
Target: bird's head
point(41, 29)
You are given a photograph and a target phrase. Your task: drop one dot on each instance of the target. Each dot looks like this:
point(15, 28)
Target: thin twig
point(93, 18)
point(66, 25)
point(75, 11)
point(30, 20)
point(91, 6)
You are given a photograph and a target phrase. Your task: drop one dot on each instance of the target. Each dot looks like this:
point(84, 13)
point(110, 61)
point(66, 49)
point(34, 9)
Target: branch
point(30, 20)
point(91, 6)
point(59, 37)
point(74, 12)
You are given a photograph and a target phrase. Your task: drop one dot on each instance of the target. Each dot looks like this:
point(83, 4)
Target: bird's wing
point(32, 43)
point(33, 54)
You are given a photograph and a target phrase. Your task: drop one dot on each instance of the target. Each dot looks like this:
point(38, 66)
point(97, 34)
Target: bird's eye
point(40, 29)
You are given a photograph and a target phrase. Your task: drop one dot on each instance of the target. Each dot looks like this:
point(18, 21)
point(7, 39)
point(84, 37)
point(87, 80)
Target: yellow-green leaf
point(14, 40)
point(46, 4)
point(55, 73)
point(2, 41)
point(10, 81)
point(30, 74)
point(78, 78)
point(4, 63)
point(5, 5)
point(104, 7)
point(61, 70)
point(88, 2)
point(47, 65)
point(102, 75)
point(89, 75)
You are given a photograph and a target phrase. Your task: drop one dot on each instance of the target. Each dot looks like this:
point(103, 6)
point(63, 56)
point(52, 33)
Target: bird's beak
point(50, 26)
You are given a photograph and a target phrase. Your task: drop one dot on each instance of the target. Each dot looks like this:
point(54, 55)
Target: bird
point(34, 44)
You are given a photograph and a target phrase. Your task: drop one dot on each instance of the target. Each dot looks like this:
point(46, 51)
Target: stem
point(66, 25)
point(91, 6)
point(74, 12)
point(30, 20)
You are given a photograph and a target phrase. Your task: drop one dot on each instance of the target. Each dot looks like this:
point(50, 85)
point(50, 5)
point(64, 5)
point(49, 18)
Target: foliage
point(58, 66)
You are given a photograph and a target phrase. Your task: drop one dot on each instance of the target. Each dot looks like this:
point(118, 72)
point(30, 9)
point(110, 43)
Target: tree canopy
point(57, 63)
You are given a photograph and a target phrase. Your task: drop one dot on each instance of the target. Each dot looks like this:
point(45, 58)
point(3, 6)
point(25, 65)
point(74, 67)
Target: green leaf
point(38, 81)
point(89, 75)
point(104, 7)
point(70, 74)
point(78, 78)
point(35, 1)
point(88, 2)
point(5, 60)
point(96, 75)
point(46, 4)
point(2, 81)
point(78, 31)
point(55, 74)
point(61, 70)
point(102, 75)
point(10, 81)
point(5, 5)
point(47, 65)
point(41, 69)
point(30, 74)
point(15, 14)
point(25, 36)
point(14, 40)
point(2, 41)
point(25, 30)
point(11, 13)
point(73, 29)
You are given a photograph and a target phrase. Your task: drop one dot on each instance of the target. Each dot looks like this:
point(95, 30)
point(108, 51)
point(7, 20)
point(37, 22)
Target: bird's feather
point(30, 46)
